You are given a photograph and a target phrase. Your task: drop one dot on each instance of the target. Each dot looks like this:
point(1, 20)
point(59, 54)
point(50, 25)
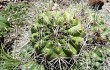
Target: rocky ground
point(24, 33)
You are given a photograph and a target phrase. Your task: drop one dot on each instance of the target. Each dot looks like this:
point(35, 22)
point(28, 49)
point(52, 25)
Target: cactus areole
point(57, 34)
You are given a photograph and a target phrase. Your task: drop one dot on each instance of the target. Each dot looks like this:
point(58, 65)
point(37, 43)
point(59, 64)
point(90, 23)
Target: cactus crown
point(57, 34)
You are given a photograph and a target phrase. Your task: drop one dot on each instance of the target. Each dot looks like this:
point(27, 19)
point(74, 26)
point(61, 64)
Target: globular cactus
point(57, 34)
point(98, 42)
point(93, 58)
point(99, 30)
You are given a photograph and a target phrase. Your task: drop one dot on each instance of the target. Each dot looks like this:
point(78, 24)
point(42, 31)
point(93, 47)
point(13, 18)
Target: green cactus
point(95, 57)
point(99, 30)
point(57, 34)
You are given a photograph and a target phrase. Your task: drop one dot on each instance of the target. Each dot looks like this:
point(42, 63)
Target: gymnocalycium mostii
point(57, 34)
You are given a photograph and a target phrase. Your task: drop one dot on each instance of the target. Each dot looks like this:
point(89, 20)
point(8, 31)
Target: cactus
point(57, 34)
point(99, 30)
point(98, 43)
